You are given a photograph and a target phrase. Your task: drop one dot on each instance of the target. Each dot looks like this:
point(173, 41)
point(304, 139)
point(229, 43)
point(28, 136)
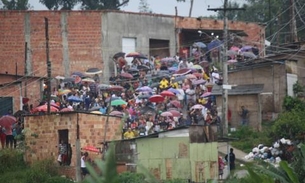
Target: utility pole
point(25, 67)
point(225, 9)
point(48, 65)
point(294, 33)
point(269, 17)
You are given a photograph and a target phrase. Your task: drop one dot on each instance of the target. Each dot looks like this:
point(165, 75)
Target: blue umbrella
point(78, 74)
point(74, 99)
point(175, 91)
point(173, 69)
point(144, 88)
point(214, 44)
point(200, 45)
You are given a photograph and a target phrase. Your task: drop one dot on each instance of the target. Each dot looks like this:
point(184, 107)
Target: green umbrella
point(118, 102)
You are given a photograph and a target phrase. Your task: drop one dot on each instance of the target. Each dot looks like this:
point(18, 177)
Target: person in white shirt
point(83, 166)
point(181, 95)
point(215, 76)
point(182, 64)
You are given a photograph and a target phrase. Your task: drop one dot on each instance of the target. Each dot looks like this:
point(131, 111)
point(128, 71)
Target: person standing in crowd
point(231, 158)
point(244, 114)
point(221, 166)
point(129, 134)
point(62, 151)
point(83, 166)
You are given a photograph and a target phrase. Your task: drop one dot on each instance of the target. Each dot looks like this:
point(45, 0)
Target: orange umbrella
point(91, 149)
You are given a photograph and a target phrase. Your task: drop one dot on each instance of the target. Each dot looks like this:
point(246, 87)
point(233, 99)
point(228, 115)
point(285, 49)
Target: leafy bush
point(290, 125)
point(248, 138)
point(292, 103)
point(129, 177)
point(10, 160)
point(41, 171)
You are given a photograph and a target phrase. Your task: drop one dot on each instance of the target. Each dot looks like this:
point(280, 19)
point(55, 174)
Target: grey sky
point(165, 6)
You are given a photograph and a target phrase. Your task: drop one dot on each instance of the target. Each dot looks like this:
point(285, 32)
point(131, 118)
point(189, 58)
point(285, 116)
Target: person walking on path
point(83, 166)
point(221, 166)
point(231, 159)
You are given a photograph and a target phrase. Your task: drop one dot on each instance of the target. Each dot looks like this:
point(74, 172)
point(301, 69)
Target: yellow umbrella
point(63, 92)
point(197, 67)
point(96, 112)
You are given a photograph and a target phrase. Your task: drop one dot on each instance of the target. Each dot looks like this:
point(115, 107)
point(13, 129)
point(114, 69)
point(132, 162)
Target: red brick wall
point(45, 144)
point(83, 35)
point(17, 90)
point(11, 41)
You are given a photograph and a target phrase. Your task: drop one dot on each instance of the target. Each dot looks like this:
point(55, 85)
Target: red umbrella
point(66, 110)
point(198, 75)
point(91, 149)
point(166, 114)
point(183, 71)
point(25, 100)
point(44, 108)
point(54, 105)
point(176, 103)
point(7, 121)
point(156, 98)
point(126, 75)
point(175, 113)
point(167, 94)
point(115, 88)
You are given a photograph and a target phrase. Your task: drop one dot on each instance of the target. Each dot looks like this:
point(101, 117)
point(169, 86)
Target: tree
point(144, 7)
point(103, 4)
point(15, 5)
point(59, 4)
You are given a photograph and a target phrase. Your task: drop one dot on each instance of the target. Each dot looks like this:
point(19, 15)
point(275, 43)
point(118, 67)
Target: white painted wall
point(291, 80)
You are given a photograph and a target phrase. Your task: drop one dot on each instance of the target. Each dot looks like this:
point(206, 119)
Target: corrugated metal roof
point(240, 89)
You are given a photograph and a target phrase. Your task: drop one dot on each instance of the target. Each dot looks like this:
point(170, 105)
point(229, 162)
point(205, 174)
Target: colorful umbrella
point(96, 112)
point(54, 105)
point(206, 94)
point(198, 75)
point(175, 113)
point(199, 44)
point(118, 102)
point(118, 55)
point(74, 99)
point(77, 79)
point(246, 48)
point(115, 88)
point(126, 75)
point(234, 48)
point(167, 94)
point(63, 92)
point(156, 98)
point(173, 90)
point(173, 69)
point(144, 89)
point(214, 44)
point(66, 109)
point(231, 61)
point(136, 55)
point(7, 121)
point(93, 71)
point(91, 149)
point(80, 74)
point(197, 106)
point(176, 103)
point(116, 113)
point(166, 114)
point(88, 80)
point(179, 78)
point(198, 82)
point(44, 108)
point(191, 76)
point(197, 67)
point(183, 71)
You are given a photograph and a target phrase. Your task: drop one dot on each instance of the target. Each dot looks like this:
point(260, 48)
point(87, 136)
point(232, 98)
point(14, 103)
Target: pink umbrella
point(176, 103)
point(175, 113)
point(183, 71)
point(66, 110)
point(167, 94)
point(44, 108)
point(197, 106)
point(116, 113)
point(234, 48)
point(191, 76)
point(166, 114)
point(232, 61)
point(206, 94)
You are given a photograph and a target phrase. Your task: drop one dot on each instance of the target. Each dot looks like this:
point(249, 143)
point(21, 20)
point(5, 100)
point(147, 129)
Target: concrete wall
point(251, 102)
point(176, 157)
point(140, 26)
point(42, 136)
point(274, 79)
